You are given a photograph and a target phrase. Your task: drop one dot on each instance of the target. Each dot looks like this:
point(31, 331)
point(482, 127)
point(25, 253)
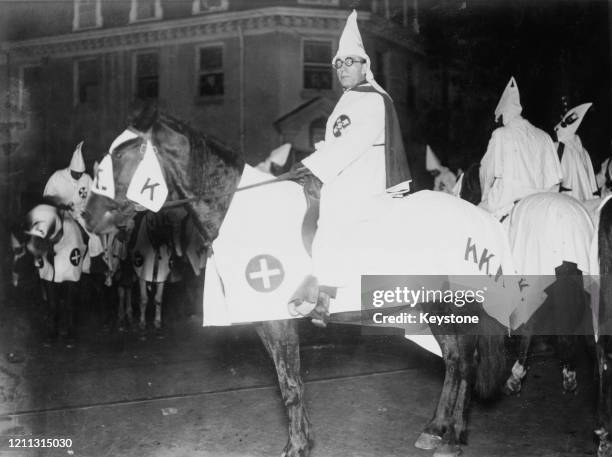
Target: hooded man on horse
point(362, 156)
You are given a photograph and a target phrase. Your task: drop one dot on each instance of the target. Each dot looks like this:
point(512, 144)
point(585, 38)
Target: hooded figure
point(578, 175)
point(362, 155)
point(70, 187)
point(444, 179)
point(520, 160)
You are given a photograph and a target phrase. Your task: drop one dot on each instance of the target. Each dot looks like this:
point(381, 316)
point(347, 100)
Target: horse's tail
point(491, 360)
point(604, 236)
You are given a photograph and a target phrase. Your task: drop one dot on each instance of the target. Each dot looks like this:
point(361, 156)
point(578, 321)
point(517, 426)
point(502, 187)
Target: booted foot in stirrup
point(310, 300)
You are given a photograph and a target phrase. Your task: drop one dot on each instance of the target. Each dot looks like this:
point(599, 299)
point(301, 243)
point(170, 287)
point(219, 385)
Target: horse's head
point(43, 227)
point(158, 158)
point(110, 206)
point(470, 184)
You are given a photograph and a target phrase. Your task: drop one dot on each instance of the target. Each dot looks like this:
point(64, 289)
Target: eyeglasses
point(349, 61)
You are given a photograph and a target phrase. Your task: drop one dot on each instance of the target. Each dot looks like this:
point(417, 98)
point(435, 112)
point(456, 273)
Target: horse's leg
point(440, 430)
point(144, 298)
point(569, 314)
point(282, 343)
point(121, 311)
point(127, 293)
point(157, 299)
point(467, 349)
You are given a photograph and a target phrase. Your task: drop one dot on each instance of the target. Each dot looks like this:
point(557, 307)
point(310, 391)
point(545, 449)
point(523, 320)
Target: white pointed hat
point(431, 160)
point(77, 163)
point(41, 220)
point(566, 129)
point(351, 44)
point(509, 103)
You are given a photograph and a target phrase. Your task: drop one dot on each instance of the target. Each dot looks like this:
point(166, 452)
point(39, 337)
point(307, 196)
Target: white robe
point(69, 255)
point(520, 160)
point(68, 191)
point(351, 165)
point(578, 174)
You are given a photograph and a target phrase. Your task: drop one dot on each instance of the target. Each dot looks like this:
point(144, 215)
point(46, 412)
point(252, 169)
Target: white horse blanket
point(258, 260)
point(545, 230)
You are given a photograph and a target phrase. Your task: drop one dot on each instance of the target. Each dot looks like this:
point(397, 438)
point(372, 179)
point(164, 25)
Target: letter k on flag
point(148, 187)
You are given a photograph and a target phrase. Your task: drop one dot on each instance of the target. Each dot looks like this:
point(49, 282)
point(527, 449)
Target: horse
point(203, 174)
point(565, 311)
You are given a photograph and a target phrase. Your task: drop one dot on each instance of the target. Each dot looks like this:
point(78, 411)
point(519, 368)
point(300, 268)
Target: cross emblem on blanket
point(264, 273)
point(75, 257)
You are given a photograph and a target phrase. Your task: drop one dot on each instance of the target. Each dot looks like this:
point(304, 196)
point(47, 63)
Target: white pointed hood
point(431, 160)
point(509, 105)
point(351, 44)
point(77, 163)
point(566, 129)
point(43, 221)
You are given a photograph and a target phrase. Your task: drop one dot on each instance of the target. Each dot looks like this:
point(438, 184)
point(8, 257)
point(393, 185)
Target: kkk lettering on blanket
point(259, 259)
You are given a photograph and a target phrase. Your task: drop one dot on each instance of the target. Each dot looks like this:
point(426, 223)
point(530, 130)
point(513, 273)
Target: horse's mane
point(199, 142)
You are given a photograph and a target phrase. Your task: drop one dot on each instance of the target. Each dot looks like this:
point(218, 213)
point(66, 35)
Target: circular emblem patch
point(38, 262)
point(138, 259)
point(264, 273)
point(341, 122)
point(75, 257)
point(83, 193)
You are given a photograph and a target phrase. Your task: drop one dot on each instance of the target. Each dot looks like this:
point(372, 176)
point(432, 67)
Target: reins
point(282, 177)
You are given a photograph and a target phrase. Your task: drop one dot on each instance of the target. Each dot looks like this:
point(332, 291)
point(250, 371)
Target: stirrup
point(304, 299)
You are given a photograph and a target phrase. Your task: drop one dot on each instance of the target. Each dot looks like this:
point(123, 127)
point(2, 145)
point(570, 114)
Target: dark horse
point(200, 168)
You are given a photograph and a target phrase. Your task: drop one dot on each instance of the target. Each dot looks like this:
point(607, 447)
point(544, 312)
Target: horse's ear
point(143, 113)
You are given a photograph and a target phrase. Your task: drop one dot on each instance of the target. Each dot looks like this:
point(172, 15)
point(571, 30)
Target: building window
point(319, 2)
point(147, 75)
point(210, 75)
point(87, 82)
point(30, 88)
point(209, 6)
point(145, 10)
point(87, 14)
point(317, 65)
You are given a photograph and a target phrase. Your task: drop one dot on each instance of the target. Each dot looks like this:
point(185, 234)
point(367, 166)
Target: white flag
point(104, 184)
point(148, 187)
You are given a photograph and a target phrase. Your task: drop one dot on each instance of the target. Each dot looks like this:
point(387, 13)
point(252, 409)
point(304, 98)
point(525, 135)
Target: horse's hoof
point(447, 451)
point(427, 441)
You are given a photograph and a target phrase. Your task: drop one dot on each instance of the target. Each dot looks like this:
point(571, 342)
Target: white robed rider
point(578, 175)
point(68, 188)
point(362, 156)
point(444, 179)
point(520, 160)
